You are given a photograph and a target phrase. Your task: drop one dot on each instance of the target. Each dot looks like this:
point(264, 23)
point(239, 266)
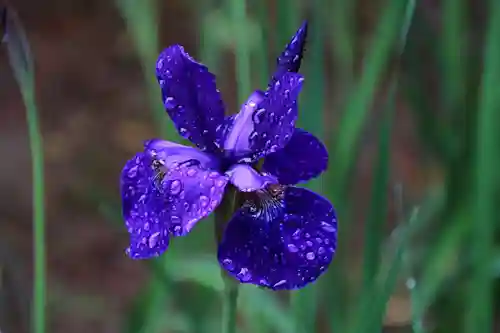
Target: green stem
point(22, 64)
point(35, 138)
point(230, 306)
point(230, 300)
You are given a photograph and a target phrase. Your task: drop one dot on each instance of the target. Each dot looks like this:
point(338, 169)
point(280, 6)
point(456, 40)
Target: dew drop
point(244, 274)
point(327, 227)
point(296, 234)
point(175, 187)
point(191, 172)
point(132, 172)
point(309, 243)
point(153, 239)
point(310, 256)
point(146, 226)
point(292, 248)
point(170, 102)
point(204, 200)
point(228, 263)
point(321, 250)
point(279, 283)
point(257, 116)
point(253, 136)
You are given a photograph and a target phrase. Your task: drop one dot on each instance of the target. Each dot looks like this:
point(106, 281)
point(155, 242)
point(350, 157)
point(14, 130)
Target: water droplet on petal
point(327, 227)
point(175, 187)
point(310, 256)
point(228, 264)
point(321, 250)
point(146, 226)
point(244, 274)
point(258, 115)
point(309, 243)
point(292, 248)
point(177, 230)
point(170, 103)
point(191, 172)
point(279, 283)
point(204, 200)
point(153, 239)
point(132, 172)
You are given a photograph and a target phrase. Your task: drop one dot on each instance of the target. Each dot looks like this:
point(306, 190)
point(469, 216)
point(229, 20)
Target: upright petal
point(274, 120)
point(303, 158)
point(291, 58)
point(284, 241)
point(190, 96)
point(240, 127)
point(165, 192)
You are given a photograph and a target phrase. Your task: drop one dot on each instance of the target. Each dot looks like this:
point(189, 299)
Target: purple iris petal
point(291, 57)
point(246, 179)
point(274, 120)
point(148, 228)
point(162, 196)
point(280, 244)
point(171, 153)
point(303, 158)
point(190, 96)
point(237, 143)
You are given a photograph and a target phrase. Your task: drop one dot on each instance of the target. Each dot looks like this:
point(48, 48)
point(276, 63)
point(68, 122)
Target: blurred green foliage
point(445, 246)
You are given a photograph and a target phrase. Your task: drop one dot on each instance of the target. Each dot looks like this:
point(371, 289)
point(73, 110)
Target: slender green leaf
point(22, 63)
point(141, 18)
point(479, 315)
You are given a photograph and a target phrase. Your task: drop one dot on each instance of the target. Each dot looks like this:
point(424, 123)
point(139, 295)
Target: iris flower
point(281, 236)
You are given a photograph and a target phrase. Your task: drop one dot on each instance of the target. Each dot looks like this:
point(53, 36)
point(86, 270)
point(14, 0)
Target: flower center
point(267, 203)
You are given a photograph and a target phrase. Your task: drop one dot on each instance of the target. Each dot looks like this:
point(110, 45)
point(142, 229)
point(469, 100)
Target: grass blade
point(22, 63)
point(312, 106)
point(237, 10)
point(479, 315)
point(353, 119)
point(141, 18)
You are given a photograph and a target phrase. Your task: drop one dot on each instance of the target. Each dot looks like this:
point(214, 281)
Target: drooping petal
point(291, 58)
point(274, 119)
point(303, 158)
point(284, 243)
point(240, 127)
point(146, 220)
point(190, 96)
point(246, 179)
point(163, 196)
